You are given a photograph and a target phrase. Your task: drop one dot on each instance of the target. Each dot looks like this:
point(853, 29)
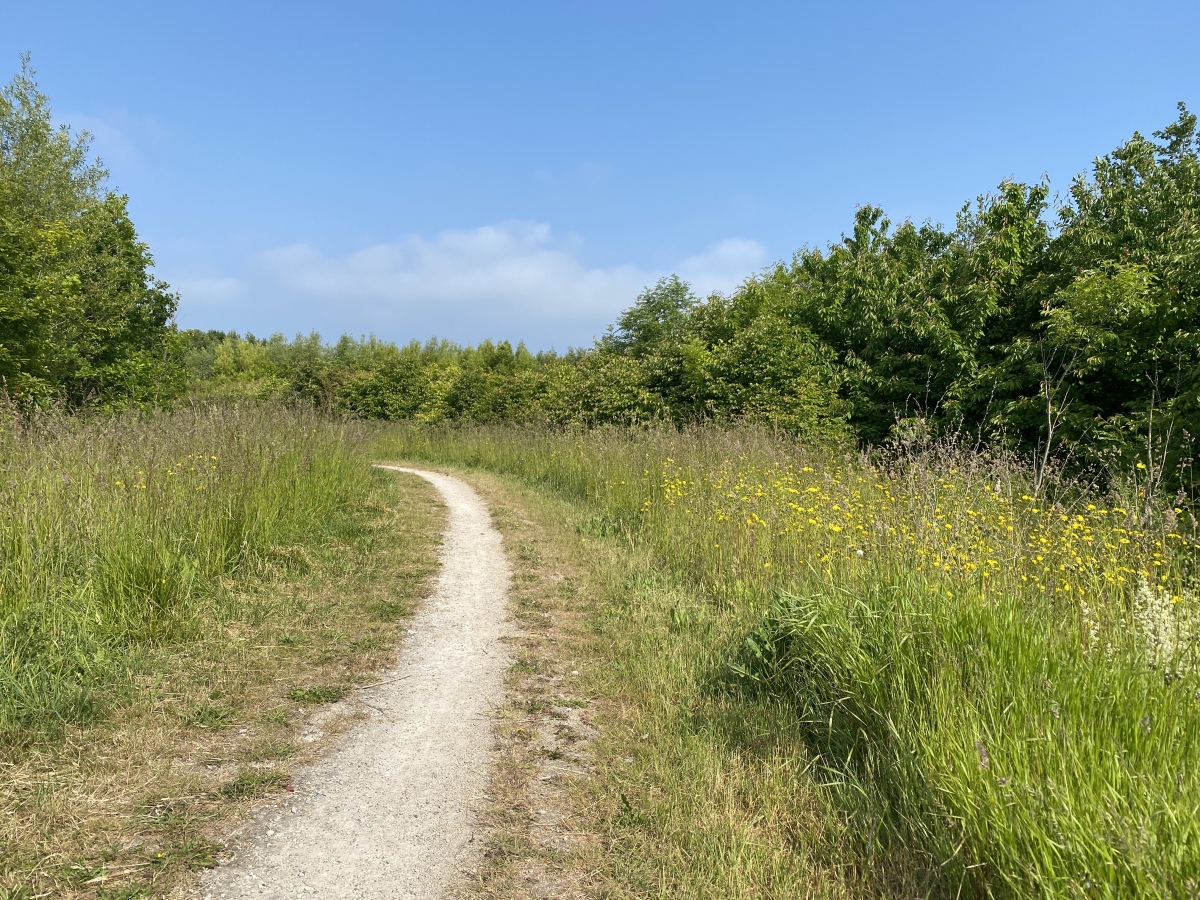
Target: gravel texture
point(389, 812)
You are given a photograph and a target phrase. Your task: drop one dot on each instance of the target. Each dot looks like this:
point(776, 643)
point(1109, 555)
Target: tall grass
point(119, 533)
point(1001, 686)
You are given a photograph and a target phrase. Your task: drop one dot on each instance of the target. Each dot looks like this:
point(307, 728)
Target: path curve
point(389, 812)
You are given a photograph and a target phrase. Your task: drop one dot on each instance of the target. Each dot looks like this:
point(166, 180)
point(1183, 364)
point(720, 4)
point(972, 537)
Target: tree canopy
point(82, 320)
point(1064, 327)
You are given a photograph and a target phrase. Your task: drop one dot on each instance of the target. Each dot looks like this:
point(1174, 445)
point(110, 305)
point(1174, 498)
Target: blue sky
point(522, 169)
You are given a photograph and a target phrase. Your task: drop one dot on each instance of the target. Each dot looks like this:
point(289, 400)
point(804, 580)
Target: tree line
point(1053, 326)
point(1056, 326)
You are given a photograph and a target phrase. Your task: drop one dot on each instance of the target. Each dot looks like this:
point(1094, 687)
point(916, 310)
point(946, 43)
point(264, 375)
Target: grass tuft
point(251, 783)
point(318, 693)
point(270, 749)
point(209, 716)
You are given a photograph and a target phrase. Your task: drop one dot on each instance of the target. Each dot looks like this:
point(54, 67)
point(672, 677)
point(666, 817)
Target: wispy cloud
point(512, 279)
point(514, 265)
point(724, 265)
point(210, 291)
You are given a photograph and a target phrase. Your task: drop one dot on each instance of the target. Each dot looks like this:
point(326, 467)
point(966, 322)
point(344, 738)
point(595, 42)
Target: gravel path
point(389, 812)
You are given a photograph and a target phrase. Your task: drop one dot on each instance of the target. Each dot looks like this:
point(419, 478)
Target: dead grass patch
point(539, 842)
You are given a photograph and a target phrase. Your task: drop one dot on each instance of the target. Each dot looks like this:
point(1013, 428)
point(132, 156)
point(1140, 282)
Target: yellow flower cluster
point(961, 532)
point(193, 463)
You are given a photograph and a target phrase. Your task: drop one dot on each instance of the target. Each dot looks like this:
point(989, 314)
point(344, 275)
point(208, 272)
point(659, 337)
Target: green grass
point(251, 783)
point(270, 750)
point(194, 696)
point(119, 534)
point(320, 693)
point(916, 667)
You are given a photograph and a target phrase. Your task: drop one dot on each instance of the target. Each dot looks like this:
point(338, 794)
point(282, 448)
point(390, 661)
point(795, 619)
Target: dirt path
point(389, 812)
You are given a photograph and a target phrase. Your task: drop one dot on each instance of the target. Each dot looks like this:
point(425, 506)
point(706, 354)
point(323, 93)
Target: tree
point(657, 317)
point(1123, 302)
point(81, 317)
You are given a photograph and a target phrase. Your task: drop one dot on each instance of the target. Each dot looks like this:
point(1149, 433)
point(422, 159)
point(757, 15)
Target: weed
point(571, 702)
point(280, 715)
point(369, 644)
point(390, 610)
point(251, 783)
point(270, 750)
point(166, 813)
point(318, 693)
point(191, 854)
point(209, 716)
point(125, 892)
point(526, 664)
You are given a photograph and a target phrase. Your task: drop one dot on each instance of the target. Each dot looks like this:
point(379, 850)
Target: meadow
point(916, 672)
point(119, 533)
point(182, 591)
point(993, 688)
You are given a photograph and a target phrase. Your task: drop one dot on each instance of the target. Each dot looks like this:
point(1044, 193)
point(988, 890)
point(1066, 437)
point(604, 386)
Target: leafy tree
point(81, 317)
point(395, 390)
point(48, 169)
point(656, 319)
point(1126, 309)
point(773, 374)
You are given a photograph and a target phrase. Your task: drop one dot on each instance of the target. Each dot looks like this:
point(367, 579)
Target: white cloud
point(512, 280)
point(514, 265)
point(724, 265)
point(518, 268)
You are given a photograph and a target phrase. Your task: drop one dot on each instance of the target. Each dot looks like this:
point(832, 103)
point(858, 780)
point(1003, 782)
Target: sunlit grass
point(133, 709)
point(118, 534)
point(999, 684)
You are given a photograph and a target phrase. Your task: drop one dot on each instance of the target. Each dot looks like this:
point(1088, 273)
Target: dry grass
point(540, 837)
point(132, 805)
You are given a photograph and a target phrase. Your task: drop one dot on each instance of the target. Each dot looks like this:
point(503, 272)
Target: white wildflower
point(1169, 626)
point(1093, 626)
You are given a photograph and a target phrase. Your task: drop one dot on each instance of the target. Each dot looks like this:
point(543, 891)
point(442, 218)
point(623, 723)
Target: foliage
point(81, 318)
point(657, 320)
point(1079, 338)
point(1067, 334)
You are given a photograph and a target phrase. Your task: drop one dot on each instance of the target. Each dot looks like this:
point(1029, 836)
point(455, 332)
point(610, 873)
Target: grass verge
point(912, 676)
point(620, 773)
point(205, 705)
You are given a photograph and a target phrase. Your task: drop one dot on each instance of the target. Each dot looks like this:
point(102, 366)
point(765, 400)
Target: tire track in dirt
point(389, 813)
